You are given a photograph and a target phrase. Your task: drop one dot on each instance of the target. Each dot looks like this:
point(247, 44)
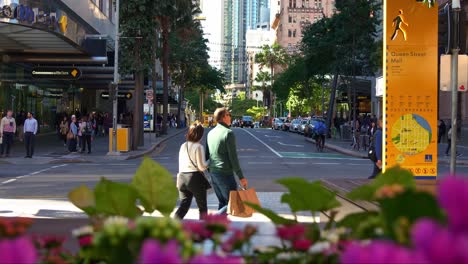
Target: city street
point(265, 155)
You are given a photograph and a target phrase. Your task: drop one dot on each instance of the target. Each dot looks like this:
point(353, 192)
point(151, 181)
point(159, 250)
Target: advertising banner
point(410, 96)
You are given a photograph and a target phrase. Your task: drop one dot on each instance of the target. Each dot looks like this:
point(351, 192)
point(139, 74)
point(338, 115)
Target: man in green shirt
point(222, 153)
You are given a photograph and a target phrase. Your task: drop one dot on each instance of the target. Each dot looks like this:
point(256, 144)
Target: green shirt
point(221, 151)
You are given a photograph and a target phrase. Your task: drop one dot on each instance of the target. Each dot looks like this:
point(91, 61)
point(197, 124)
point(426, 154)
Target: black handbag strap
point(188, 154)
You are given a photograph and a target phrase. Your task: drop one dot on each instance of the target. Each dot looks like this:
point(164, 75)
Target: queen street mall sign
point(56, 73)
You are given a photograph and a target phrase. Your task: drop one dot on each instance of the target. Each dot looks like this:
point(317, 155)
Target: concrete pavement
point(344, 147)
point(49, 149)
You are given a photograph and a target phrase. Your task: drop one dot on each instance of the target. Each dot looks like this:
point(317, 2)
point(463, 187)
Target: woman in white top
point(191, 180)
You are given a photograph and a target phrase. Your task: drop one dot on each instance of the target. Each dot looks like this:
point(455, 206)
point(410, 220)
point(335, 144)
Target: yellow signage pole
point(410, 96)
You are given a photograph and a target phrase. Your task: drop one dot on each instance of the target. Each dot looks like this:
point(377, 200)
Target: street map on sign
point(411, 134)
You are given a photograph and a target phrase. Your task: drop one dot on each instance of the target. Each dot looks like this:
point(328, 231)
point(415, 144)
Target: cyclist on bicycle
point(319, 132)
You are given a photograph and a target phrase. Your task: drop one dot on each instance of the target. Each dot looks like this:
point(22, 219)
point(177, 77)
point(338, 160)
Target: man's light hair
point(219, 113)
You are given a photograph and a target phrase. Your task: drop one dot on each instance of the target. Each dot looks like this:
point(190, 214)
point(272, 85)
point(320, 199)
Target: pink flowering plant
point(409, 226)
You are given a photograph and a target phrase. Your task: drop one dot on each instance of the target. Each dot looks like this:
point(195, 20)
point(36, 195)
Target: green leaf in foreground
point(306, 196)
point(156, 187)
point(114, 199)
point(83, 198)
point(275, 218)
point(395, 175)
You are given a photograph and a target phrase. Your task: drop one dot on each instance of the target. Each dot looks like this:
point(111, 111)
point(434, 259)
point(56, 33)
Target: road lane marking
point(260, 162)
point(266, 145)
point(10, 180)
point(291, 145)
point(294, 163)
point(33, 173)
point(268, 136)
point(327, 163)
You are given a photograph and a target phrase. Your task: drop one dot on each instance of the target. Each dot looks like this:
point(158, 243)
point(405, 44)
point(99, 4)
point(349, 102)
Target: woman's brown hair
point(195, 132)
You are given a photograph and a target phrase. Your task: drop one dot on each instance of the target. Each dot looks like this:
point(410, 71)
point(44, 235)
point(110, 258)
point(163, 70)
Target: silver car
point(277, 124)
point(302, 126)
point(295, 124)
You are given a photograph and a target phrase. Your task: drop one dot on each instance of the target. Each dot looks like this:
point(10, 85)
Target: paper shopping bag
point(236, 206)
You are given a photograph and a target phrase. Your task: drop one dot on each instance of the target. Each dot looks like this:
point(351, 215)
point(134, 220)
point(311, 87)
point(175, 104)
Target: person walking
point(441, 130)
point(377, 141)
point(7, 133)
point(449, 143)
point(87, 133)
point(72, 135)
point(191, 180)
point(222, 154)
point(64, 128)
point(30, 131)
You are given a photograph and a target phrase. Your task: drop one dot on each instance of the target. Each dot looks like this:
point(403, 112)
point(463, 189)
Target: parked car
point(247, 121)
point(309, 128)
point(286, 125)
point(302, 126)
point(277, 124)
point(294, 127)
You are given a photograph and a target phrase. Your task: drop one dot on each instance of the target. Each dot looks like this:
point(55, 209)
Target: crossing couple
point(220, 158)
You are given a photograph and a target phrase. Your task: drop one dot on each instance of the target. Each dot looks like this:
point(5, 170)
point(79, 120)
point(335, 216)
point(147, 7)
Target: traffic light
point(445, 28)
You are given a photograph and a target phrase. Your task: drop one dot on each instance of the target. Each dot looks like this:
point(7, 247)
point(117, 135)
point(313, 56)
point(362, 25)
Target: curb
point(340, 150)
point(148, 151)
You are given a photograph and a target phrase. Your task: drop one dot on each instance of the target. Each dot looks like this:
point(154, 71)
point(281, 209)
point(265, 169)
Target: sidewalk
point(344, 147)
point(49, 149)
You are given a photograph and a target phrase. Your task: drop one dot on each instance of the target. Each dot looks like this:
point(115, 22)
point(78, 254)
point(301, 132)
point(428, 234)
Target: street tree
point(271, 56)
point(264, 78)
point(344, 44)
point(167, 12)
point(137, 37)
point(189, 51)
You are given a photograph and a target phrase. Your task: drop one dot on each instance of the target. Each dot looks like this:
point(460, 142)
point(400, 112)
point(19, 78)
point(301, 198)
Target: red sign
point(462, 88)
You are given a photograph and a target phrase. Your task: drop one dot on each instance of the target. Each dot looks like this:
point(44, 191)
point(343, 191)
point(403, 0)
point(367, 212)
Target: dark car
point(247, 121)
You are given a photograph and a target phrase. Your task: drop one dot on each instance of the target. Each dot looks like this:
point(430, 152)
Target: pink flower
point(302, 244)
point(210, 259)
point(197, 230)
point(17, 250)
point(85, 240)
point(217, 223)
point(380, 252)
point(439, 244)
point(153, 252)
point(453, 197)
point(290, 232)
point(235, 241)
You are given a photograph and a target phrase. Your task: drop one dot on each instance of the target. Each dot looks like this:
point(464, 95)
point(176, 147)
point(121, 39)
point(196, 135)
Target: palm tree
point(167, 13)
point(271, 56)
point(264, 77)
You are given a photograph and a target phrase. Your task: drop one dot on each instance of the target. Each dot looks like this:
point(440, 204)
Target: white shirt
point(30, 125)
point(197, 154)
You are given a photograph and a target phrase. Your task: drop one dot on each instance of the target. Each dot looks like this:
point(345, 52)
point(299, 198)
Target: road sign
point(56, 73)
point(149, 95)
point(121, 95)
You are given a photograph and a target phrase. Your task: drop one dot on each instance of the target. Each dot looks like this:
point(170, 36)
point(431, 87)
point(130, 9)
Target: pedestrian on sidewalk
point(222, 154)
point(30, 131)
point(64, 128)
point(449, 143)
point(7, 133)
point(441, 130)
point(87, 133)
point(377, 141)
point(191, 180)
point(81, 128)
point(72, 135)
point(20, 118)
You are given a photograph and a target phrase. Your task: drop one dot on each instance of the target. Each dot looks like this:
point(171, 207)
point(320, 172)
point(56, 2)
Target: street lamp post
point(453, 148)
point(115, 84)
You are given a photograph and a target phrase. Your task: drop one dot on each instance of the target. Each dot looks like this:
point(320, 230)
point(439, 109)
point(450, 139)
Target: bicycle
point(319, 142)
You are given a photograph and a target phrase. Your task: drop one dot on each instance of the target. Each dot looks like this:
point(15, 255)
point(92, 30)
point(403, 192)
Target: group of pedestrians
point(8, 128)
point(220, 158)
point(78, 135)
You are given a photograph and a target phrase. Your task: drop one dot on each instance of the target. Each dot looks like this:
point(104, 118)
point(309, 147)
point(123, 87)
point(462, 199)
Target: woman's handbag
point(70, 135)
point(208, 185)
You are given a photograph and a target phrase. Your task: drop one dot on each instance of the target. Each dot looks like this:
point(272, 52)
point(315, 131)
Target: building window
point(290, 3)
point(294, 33)
point(289, 33)
point(289, 19)
point(294, 3)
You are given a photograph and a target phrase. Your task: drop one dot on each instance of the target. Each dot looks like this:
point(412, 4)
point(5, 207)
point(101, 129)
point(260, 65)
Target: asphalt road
point(265, 155)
